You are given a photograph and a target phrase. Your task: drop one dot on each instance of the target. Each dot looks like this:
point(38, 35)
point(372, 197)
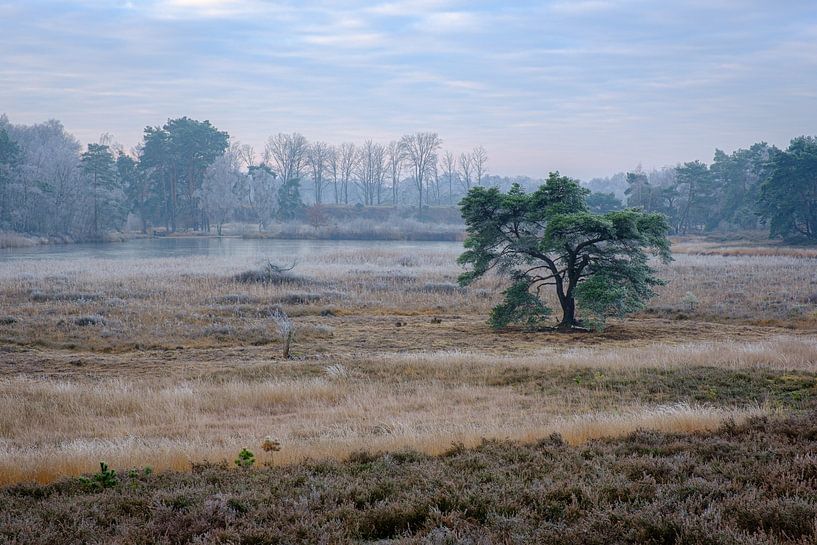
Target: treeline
point(187, 174)
point(759, 187)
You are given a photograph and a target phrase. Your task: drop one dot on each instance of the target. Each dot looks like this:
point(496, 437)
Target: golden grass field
point(165, 362)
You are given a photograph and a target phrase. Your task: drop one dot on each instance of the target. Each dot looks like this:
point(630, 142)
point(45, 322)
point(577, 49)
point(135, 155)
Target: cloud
point(409, 8)
point(536, 83)
point(580, 7)
point(450, 21)
point(216, 9)
point(346, 39)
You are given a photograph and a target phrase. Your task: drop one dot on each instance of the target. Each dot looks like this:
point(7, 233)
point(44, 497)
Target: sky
point(586, 87)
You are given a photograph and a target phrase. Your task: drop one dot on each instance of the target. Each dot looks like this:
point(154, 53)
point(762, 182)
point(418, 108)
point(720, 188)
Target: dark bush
point(93, 319)
point(272, 277)
point(297, 298)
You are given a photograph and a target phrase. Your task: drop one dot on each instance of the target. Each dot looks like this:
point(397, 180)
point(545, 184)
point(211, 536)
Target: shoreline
point(13, 240)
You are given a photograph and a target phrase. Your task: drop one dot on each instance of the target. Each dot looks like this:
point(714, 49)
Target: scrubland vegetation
point(174, 363)
point(748, 483)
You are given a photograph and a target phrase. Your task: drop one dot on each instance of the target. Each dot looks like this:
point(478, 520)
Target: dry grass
point(694, 246)
point(166, 361)
point(423, 401)
point(196, 302)
point(785, 353)
point(64, 428)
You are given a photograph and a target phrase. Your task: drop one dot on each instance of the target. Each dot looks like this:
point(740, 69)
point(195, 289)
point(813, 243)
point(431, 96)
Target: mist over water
point(243, 249)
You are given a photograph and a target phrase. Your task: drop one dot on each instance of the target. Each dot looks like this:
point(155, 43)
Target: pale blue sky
point(588, 87)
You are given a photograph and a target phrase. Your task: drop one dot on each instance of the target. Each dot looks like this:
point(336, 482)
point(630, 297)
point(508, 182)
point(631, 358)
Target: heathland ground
point(173, 364)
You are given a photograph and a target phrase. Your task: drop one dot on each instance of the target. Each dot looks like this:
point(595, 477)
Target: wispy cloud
point(584, 86)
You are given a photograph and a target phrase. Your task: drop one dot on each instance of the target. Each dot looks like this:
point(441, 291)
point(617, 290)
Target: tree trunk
point(568, 313)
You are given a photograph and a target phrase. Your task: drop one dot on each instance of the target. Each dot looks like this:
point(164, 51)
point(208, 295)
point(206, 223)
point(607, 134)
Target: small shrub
point(690, 301)
point(40, 296)
point(270, 274)
point(325, 330)
point(407, 261)
point(270, 445)
point(235, 299)
point(219, 330)
point(447, 288)
point(37, 296)
point(298, 298)
point(92, 319)
point(245, 458)
point(337, 370)
point(7, 320)
point(105, 478)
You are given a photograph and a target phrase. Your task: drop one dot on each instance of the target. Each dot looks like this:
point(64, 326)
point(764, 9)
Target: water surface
point(243, 249)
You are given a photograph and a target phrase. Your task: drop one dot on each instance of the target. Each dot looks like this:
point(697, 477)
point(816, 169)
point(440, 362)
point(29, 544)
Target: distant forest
point(188, 175)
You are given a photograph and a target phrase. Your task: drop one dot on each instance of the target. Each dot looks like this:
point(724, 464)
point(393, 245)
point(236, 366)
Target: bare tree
point(466, 170)
point(333, 169)
point(479, 160)
point(371, 171)
point(247, 155)
point(318, 157)
point(349, 159)
point(433, 189)
point(395, 158)
point(448, 165)
point(286, 330)
point(287, 154)
point(421, 152)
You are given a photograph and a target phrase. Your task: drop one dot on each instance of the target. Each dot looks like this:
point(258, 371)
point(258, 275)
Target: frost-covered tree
point(224, 188)
point(262, 193)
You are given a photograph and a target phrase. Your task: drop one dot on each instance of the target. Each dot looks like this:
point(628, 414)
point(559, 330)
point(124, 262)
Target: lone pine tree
point(550, 238)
